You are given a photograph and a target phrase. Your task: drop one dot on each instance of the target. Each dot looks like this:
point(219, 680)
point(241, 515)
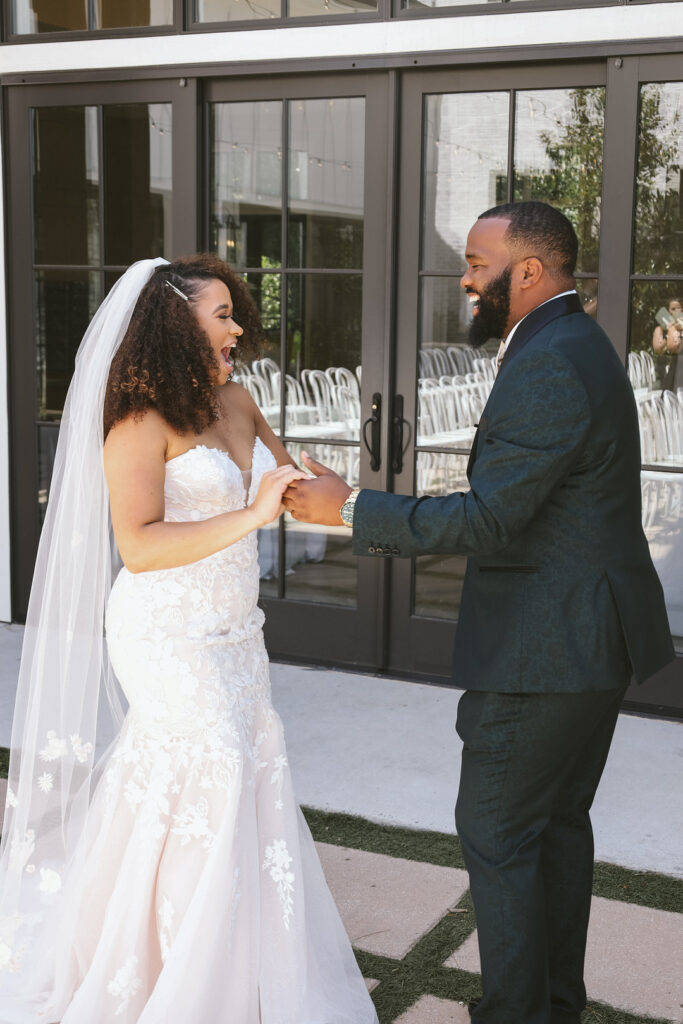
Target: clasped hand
point(316, 499)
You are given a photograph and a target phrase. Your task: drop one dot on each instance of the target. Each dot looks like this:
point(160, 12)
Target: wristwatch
point(346, 511)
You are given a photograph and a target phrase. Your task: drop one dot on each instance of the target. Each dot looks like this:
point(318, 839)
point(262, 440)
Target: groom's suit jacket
point(560, 593)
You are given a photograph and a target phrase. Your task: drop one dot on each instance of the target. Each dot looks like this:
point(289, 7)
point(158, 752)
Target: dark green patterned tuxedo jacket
point(560, 593)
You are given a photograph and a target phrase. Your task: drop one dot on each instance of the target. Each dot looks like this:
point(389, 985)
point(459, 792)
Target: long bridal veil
point(67, 695)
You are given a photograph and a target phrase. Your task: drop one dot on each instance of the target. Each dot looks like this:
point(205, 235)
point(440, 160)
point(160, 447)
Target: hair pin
point(177, 290)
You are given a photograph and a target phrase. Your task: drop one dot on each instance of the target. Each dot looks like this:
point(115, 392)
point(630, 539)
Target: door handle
point(398, 422)
point(375, 423)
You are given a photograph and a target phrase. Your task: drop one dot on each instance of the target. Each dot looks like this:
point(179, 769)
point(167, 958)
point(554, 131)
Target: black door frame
point(24, 523)
point(421, 646)
point(306, 630)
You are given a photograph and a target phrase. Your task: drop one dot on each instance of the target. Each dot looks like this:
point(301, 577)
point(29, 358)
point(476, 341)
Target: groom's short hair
point(538, 229)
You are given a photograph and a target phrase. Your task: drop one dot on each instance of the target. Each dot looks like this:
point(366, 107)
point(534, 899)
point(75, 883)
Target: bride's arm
point(134, 464)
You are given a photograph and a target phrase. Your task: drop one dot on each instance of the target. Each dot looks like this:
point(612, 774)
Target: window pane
point(137, 142)
point(133, 13)
point(659, 199)
point(66, 182)
point(437, 579)
point(236, 10)
point(49, 16)
point(323, 355)
point(315, 8)
point(319, 563)
point(657, 335)
point(663, 523)
point(558, 158)
point(262, 377)
point(454, 378)
point(246, 183)
point(465, 153)
point(66, 300)
point(326, 171)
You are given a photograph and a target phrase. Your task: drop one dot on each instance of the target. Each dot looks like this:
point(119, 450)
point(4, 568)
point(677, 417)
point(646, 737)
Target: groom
point(561, 603)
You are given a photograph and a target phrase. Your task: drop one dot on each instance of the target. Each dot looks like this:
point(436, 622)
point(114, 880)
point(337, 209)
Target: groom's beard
point(494, 310)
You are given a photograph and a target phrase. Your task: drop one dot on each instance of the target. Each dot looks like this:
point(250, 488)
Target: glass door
point(101, 175)
point(484, 139)
point(297, 203)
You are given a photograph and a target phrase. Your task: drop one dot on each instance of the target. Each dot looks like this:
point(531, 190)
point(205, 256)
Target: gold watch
point(346, 511)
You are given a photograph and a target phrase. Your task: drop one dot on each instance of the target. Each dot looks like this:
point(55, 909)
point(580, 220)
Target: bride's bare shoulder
point(142, 434)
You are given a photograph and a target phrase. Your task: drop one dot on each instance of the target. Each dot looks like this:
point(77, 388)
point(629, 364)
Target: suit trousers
point(531, 764)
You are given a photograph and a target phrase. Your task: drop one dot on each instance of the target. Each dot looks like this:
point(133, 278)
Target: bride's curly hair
point(165, 361)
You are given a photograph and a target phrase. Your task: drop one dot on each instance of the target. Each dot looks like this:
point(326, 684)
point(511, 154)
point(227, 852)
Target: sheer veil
point(67, 700)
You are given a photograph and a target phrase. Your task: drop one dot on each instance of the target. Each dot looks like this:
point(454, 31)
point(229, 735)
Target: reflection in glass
point(236, 10)
point(133, 13)
point(437, 579)
point(656, 369)
point(319, 564)
point(659, 198)
point(587, 288)
point(246, 183)
point(558, 158)
point(66, 301)
point(262, 377)
point(323, 355)
point(316, 8)
point(326, 182)
point(137, 141)
point(454, 3)
point(30, 16)
point(454, 378)
point(66, 181)
point(465, 153)
point(662, 495)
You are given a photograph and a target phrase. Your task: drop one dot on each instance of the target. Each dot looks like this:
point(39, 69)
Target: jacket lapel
point(539, 318)
point(532, 323)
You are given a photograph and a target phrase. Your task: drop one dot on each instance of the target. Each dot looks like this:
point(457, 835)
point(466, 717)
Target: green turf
point(646, 888)
point(421, 972)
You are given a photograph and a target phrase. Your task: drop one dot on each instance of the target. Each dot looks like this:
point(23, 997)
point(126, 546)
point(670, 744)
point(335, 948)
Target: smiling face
point(487, 280)
point(213, 309)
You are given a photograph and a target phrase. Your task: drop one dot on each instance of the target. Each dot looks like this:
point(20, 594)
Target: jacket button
point(395, 551)
point(371, 550)
point(386, 551)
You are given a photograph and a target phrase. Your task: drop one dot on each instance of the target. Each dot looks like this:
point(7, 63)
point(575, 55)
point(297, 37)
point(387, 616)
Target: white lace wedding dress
point(203, 900)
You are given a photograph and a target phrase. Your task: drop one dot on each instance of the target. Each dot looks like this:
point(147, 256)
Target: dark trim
point(541, 54)
point(81, 34)
point(620, 153)
point(532, 6)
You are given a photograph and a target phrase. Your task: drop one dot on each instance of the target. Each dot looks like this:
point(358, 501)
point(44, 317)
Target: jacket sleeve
point(538, 422)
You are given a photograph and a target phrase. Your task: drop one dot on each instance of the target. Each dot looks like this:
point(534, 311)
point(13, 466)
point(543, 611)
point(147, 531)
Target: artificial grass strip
point(4, 762)
point(645, 888)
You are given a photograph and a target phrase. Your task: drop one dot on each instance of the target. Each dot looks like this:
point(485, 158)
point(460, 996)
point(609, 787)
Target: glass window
point(326, 182)
point(313, 152)
point(66, 185)
point(36, 16)
point(136, 146)
point(557, 158)
point(655, 362)
point(248, 10)
point(90, 222)
point(246, 183)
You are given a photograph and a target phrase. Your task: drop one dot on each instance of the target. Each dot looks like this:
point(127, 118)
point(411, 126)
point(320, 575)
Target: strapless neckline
point(222, 451)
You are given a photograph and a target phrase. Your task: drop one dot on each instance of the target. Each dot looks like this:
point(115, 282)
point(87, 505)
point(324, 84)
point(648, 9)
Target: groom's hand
point(318, 500)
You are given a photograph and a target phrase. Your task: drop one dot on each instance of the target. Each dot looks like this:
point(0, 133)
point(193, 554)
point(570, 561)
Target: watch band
point(347, 509)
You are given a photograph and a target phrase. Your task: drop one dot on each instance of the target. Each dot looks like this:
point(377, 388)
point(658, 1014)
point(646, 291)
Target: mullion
point(284, 318)
point(511, 145)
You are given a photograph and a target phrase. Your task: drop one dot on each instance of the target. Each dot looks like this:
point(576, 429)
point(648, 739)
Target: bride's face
point(213, 310)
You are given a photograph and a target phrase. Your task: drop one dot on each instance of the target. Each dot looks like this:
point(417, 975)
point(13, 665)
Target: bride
point(172, 878)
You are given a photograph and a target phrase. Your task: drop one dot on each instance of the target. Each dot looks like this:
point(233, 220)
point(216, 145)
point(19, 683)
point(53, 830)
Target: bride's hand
point(267, 504)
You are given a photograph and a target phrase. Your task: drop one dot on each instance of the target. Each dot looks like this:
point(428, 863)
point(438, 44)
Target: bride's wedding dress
point(202, 900)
